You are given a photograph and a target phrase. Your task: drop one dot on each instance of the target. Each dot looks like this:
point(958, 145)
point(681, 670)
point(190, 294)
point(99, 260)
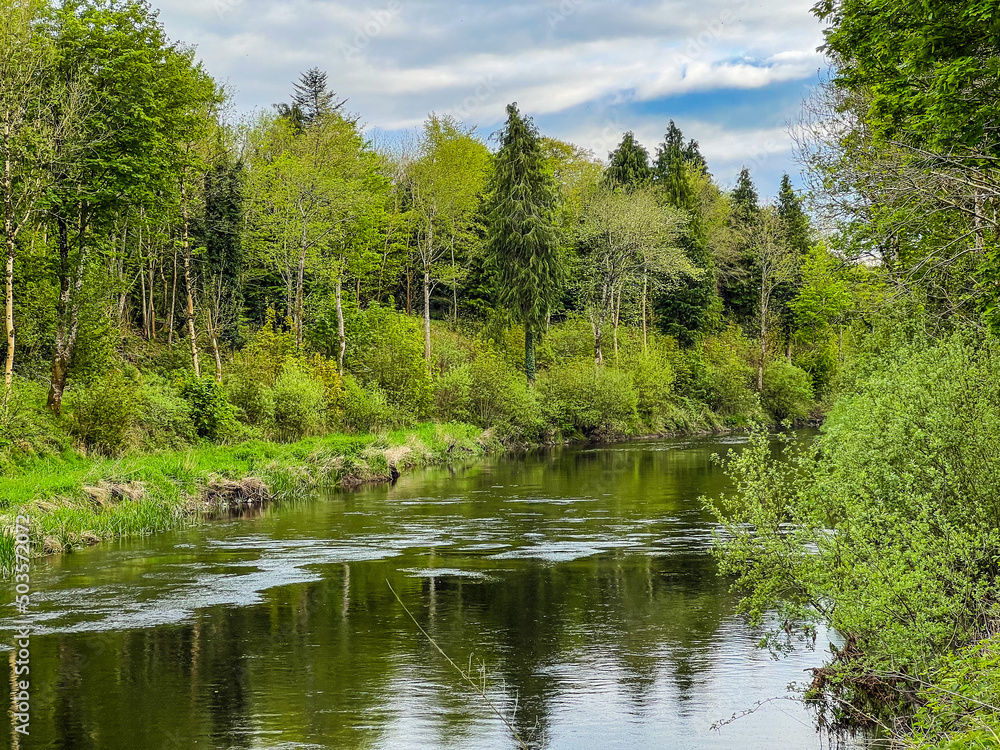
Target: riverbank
point(74, 502)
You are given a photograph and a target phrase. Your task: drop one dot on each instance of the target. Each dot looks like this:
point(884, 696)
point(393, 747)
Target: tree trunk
point(152, 306)
point(529, 353)
point(340, 328)
point(173, 302)
point(145, 303)
point(213, 340)
point(789, 348)
point(300, 279)
point(598, 328)
point(192, 334)
point(68, 310)
point(11, 248)
point(616, 311)
point(427, 316)
point(645, 291)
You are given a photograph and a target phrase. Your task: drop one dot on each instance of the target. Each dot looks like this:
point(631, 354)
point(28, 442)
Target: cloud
point(397, 60)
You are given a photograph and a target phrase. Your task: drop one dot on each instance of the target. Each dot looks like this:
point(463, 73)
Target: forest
point(175, 275)
point(178, 278)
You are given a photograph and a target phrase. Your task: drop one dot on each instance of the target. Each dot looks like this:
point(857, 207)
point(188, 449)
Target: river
point(575, 585)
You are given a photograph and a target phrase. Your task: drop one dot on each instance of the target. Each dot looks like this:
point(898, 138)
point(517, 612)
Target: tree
point(25, 62)
point(522, 241)
point(446, 182)
point(794, 221)
point(626, 239)
point(673, 150)
point(738, 270)
point(128, 148)
point(775, 264)
point(629, 165)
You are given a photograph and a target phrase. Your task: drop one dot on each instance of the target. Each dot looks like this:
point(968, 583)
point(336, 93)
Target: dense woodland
point(177, 276)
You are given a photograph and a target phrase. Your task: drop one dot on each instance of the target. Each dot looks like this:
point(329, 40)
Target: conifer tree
point(629, 167)
point(793, 218)
point(522, 241)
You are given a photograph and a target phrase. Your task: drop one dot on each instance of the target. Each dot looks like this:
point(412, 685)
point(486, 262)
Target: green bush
point(366, 410)
point(653, 380)
point(500, 398)
point(27, 428)
point(165, 419)
point(788, 392)
point(581, 399)
point(211, 412)
point(104, 414)
point(729, 376)
point(452, 393)
point(386, 351)
point(251, 376)
point(299, 402)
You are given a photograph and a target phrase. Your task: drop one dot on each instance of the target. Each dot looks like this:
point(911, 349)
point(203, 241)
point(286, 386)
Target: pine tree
point(522, 242)
point(310, 99)
point(737, 286)
point(673, 149)
point(629, 167)
point(793, 218)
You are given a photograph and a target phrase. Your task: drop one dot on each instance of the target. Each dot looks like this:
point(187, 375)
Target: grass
point(74, 502)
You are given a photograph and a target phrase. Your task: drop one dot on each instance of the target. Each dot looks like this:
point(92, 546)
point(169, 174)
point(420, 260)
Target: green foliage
point(166, 417)
point(652, 375)
point(727, 377)
point(584, 400)
point(367, 410)
point(788, 392)
point(104, 414)
point(211, 412)
point(387, 354)
point(888, 528)
point(299, 402)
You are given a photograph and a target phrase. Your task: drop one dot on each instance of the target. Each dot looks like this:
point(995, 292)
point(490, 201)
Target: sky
point(731, 73)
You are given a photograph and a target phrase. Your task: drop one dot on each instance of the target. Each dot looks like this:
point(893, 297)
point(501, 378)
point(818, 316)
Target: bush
point(597, 403)
point(299, 402)
point(366, 410)
point(27, 428)
point(387, 352)
point(254, 371)
point(500, 398)
point(653, 380)
point(165, 418)
point(788, 392)
point(729, 376)
point(452, 394)
point(104, 414)
point(211, 412)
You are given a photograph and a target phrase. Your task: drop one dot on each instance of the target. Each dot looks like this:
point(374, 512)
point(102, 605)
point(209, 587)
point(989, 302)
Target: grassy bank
point(74, 502)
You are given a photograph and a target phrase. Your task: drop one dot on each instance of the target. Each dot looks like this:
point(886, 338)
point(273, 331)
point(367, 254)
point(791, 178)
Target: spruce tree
point(310, 100)
point(793, 219)
point(522, 242)
point(738, 289)
point(629, 167)
point(673, 149)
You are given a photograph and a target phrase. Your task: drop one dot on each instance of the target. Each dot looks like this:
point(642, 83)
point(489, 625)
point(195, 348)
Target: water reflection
point(579, 578)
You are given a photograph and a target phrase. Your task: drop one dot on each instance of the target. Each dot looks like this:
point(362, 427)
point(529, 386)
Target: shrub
point(104, 414)
point(653, 380)
point(594, 402)
point(165, 418)
point(299, 402)
point(254, 371)
point(27, 428)
point(387, 351)
point(211, 412)
point(500, 397)
point(788, 392)
point(366, 410)
point(729, 376)
point(452, 394)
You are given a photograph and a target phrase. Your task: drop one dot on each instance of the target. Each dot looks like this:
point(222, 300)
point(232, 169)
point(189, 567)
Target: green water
point(579, 577)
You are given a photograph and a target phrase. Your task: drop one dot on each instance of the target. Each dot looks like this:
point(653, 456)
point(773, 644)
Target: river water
point(574, 586)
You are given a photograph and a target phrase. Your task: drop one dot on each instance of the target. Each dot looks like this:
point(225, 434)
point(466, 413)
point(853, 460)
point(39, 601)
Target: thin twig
point(479, 688)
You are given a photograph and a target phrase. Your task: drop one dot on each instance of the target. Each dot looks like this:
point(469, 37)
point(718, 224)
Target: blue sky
point(732, 73)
